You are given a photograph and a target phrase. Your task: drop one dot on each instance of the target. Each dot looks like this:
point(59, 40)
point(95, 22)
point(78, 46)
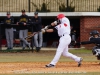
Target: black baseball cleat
point(29, 46)
point(49, 65)
point(23, 48)
point(80, 62)
point(38, 49)
point(8, 49)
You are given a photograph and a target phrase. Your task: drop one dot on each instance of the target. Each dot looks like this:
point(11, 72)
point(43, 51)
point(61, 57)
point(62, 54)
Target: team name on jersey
point(8, 21)
point(23, 19)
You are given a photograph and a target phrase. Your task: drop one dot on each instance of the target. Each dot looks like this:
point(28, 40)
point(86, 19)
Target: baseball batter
point(63, 30)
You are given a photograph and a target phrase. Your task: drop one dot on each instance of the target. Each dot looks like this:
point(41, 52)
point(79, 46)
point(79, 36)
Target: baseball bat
point(31, 35)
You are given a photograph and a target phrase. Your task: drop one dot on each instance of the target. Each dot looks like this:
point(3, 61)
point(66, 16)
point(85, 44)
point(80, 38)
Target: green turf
point(44, 56)
point(82, 51)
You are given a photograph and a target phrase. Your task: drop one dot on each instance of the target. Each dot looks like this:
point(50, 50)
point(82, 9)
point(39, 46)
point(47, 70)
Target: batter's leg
point(61, 47)
point(70, 55)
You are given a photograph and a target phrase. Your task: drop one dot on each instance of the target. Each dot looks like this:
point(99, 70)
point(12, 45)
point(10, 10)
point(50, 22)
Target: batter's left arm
point(47, 30)
point(52, 24)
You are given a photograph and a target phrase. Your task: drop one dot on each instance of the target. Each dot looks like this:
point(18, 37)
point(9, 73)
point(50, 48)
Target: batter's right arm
point(52, 24)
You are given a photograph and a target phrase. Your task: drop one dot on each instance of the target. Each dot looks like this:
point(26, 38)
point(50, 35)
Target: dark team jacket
point(36, 22)
point(23, 19)
point(8, 22)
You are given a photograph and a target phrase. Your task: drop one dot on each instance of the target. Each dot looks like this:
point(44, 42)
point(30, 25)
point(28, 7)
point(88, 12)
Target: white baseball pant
point(63, 50)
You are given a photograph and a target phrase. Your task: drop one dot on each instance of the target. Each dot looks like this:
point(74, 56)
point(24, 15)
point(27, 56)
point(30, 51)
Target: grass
point(44, 56)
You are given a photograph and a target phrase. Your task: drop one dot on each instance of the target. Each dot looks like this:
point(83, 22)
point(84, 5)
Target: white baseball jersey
point(64, 27)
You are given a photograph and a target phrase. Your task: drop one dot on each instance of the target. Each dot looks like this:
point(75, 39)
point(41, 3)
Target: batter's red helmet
point(60, 16)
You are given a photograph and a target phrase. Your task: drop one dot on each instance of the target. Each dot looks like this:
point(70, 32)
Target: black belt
point(63, 35)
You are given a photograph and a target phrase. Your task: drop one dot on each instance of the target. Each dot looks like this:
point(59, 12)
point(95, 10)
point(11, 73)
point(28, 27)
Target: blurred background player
point(23, 30)
point(9, 31)
point(94, 38)
point(73, 37)
point(37, 26)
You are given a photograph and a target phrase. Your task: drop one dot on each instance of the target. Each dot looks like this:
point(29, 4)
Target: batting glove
point(43, 30)
point(55, 22)
point(46, 27)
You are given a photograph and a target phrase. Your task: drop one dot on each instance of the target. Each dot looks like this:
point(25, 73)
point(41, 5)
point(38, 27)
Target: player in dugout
point(23, 29)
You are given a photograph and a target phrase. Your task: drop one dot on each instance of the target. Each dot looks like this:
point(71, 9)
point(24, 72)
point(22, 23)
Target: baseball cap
point(35, 13)
point(23, 10)
point(8, 13)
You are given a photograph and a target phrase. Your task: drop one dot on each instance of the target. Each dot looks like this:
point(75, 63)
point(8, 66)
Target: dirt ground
point(39, 67)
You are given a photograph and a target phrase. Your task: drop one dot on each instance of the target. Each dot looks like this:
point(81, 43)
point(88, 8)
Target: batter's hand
point(43, 30)
point(46, 27)
point(54, 23)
